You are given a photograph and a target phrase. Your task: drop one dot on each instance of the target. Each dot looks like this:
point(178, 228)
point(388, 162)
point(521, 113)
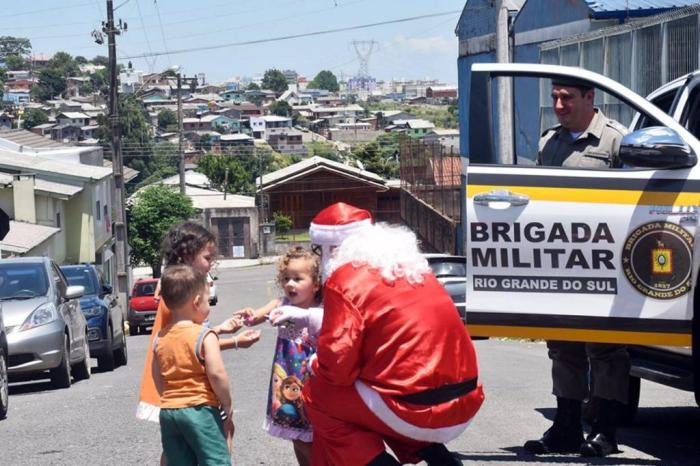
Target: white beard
point(391, 249)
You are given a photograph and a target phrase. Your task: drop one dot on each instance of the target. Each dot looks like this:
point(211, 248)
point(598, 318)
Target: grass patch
point(294, 236)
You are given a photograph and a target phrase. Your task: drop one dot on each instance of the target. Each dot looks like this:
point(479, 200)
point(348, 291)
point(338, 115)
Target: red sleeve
point(340, 340)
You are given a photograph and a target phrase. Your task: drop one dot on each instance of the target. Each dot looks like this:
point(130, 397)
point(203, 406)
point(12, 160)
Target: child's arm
point(257, 316)
point(230, 325)
point(216, 372)
point(242, 340)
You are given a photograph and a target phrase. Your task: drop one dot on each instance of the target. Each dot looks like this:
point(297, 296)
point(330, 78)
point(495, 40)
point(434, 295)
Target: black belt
point(435, 396)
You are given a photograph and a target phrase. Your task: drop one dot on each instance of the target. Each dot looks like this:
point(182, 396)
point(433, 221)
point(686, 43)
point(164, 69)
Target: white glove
point(310, 318)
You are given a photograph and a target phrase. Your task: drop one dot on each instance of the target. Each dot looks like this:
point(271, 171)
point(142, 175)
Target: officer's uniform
point(597, 147)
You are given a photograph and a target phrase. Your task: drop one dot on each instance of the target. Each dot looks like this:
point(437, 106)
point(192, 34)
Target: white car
point(213, 299)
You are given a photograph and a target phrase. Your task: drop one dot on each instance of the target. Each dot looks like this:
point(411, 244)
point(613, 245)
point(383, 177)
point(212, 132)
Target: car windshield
point(80, 277)
point(145, 289)
point(22, 281)
point(449, 269)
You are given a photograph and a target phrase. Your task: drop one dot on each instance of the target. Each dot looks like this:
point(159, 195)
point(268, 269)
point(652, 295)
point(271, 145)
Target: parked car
point(213, 298)
point(105, 319)
point(142, 305)
point(46, 331)
point(4, 386)
point(451, 271)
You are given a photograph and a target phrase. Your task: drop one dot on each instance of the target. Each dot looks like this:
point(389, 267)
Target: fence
point(430, 192)
point(640, 55)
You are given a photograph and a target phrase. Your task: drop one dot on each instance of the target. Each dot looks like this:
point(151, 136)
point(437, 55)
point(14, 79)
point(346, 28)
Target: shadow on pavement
point(518, 455)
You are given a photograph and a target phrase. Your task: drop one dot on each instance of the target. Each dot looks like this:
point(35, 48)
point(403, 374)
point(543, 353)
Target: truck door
point(578, 254)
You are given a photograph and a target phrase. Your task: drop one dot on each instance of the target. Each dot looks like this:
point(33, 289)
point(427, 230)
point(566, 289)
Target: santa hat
point(336, 222)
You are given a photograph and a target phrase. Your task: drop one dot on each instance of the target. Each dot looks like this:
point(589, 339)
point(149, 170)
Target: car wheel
point(4, 388)
point(60, 376)
point(82, 370)
point(106, 362)
point(120, 354)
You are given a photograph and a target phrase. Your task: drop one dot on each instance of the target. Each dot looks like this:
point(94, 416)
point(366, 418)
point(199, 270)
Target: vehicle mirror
point(107, 288)
point(656, 147)
point(74, 292)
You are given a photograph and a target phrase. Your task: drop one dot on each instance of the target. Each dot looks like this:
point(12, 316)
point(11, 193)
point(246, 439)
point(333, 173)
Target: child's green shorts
point(193, 436)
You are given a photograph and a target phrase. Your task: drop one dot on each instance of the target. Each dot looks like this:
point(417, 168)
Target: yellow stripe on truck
point(567, 334)
point(594, 196)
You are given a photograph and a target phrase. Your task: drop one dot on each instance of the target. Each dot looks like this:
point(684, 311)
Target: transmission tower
point(364, 49)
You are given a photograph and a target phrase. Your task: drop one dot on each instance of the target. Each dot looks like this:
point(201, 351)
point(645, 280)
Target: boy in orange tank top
point(190, 376)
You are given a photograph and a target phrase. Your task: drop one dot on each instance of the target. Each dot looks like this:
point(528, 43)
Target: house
point(69, 132)
point(265, 126)
point(288, 142)
point(447, 138)
point(233, 95)
point(441, 92)
point(74, 84)
point(78, 119)
point(302, 189)
point(232, 218)
point(415, 128)
point(240, 111)
point(43, 129)
point(23, 142)
point(235, 140)
point(72, 200)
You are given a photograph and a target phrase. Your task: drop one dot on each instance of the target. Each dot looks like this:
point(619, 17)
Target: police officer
point(584, 138)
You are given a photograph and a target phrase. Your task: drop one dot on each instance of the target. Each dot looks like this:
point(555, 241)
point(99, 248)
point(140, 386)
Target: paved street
point(93, 423)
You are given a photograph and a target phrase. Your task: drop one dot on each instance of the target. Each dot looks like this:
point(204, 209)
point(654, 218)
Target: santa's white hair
point(392, 249)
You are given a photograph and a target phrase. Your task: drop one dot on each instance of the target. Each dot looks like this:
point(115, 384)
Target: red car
point(142, 305)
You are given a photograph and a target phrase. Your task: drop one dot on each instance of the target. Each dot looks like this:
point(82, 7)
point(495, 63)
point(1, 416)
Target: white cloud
point(433, 44)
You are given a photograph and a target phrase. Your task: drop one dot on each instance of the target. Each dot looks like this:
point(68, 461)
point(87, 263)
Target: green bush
point(283, 223)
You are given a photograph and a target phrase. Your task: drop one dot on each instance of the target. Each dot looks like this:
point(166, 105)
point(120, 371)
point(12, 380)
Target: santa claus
point(394, 362)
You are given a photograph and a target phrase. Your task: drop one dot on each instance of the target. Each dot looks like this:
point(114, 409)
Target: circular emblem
point(657, 260)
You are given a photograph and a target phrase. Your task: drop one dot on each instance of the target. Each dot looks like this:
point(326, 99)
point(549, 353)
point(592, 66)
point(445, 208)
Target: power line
point(162, 33)
point(54, 8)
point(293, 36)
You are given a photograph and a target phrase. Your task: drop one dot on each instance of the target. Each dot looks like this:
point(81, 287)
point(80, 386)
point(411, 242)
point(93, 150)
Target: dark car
point(105, 319)
point(143, 305)
point(4, 389)
point(451, 271)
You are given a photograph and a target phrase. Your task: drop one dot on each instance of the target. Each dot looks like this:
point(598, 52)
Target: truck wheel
point(4, 387)
point(82, 370)
point(60, 376)
point(106, 362)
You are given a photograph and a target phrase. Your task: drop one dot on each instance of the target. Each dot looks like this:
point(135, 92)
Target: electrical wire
point(151, 63)
point(162, 33)
point(52, 9)
point(292, 36)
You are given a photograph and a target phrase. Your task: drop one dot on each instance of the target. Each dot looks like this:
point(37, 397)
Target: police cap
point(569, 81)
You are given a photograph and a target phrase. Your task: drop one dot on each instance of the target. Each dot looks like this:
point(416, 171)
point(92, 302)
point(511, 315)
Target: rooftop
point(315, 163)
point(22, 236)
point(37, 164)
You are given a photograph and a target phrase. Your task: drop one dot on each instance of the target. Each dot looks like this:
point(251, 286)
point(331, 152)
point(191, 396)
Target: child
point(191, 244)
point(190, 376)
point(298, 275)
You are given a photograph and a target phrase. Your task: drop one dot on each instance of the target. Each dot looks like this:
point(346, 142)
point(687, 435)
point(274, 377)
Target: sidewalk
point(145, 272)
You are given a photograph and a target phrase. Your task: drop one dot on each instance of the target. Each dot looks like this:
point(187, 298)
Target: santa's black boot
point(384, 459)
point(437, 454)
point(565, 435)
point(602, 441)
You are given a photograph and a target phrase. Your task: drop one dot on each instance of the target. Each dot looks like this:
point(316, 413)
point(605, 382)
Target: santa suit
point(381, 341)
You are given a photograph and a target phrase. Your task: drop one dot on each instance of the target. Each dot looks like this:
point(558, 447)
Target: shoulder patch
point(551, 129)
point(617, 126)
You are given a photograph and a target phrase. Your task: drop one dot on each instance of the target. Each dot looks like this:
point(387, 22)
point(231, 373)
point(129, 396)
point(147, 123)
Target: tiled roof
point(624, 5)
point(29, 139)
point(312, 164)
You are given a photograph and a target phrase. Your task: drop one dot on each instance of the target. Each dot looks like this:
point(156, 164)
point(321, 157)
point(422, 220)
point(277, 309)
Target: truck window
point(664, 102)
point(692, 122)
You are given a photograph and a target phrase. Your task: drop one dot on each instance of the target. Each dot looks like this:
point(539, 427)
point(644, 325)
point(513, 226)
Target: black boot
point(384, 459)
point(437, 454)
point(565, 435)
point(602, 441)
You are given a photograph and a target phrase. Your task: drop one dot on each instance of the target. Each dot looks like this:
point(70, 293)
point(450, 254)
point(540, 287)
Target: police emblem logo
point(657, 259)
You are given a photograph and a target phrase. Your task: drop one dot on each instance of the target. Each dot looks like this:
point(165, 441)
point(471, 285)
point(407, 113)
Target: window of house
point(58, 219)
point(98, 211)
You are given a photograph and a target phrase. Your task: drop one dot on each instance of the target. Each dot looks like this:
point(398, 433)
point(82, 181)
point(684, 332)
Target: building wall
point(220, 222)
point(46, 214)
point(80, 228)
point(102, 193)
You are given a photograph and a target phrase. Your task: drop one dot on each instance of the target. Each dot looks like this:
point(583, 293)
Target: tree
point(34, 117)
point(100, 60)
point(16, 62)
point(166, 118)
point(283, 223)
point(51, 84)
point(252, 87)
point(155, 209)
point(240, 180)
point(64, 63)
point(255, 99)
point(281, 108)
point(274, 80)
point(14, 46)
point(380, 156)
point(325, 80)
point(81, 60)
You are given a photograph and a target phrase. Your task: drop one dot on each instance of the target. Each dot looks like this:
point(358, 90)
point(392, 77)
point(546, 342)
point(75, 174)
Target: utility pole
point(504, 87)
point(179, 133)
point(225, 182)
point(121, 253)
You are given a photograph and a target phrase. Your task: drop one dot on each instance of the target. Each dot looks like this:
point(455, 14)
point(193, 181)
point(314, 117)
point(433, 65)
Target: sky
point(166, 29)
